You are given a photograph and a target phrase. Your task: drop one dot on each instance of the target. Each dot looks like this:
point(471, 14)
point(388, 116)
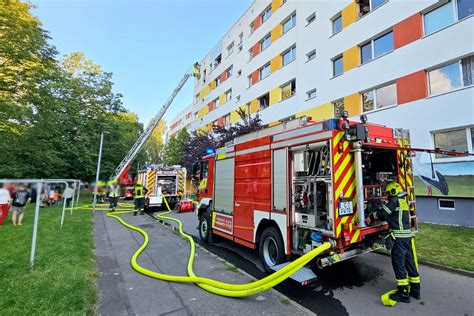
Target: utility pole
point(98, 169)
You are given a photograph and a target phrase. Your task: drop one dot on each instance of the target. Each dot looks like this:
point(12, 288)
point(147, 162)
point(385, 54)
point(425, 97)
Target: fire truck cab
point(286, 189)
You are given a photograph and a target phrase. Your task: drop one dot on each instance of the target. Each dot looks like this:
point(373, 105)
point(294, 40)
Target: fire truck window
point(204, 169)
point(300, 163)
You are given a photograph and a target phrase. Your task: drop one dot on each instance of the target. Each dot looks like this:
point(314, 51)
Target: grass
point(63, 280)
point(446, 245)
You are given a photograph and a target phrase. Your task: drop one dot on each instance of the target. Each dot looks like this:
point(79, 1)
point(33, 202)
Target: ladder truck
point(125, 164)
point(286, 189)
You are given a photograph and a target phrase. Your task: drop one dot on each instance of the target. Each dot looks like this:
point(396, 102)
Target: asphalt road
point(354, 287)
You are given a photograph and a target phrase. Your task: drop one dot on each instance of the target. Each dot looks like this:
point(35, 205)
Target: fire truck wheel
point(205, 227)
point(271, 248)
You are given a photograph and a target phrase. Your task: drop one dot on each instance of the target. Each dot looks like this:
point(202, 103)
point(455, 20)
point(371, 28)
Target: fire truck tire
point(205, 232)
point(271, 248)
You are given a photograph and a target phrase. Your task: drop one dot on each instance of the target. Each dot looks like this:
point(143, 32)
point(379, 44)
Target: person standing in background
point(20, 198)
point(5, 201)
point(68, 194)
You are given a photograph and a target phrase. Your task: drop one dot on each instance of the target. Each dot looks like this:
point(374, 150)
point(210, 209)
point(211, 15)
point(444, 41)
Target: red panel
point(255, 77)
point(212, 106)
point(407, 31)
point(252, 170)
point(253, 156)
point(256, 49)
point(224, 76)
point(257, 22)
point(412, 87)
point(254, 143)
point(221, 121)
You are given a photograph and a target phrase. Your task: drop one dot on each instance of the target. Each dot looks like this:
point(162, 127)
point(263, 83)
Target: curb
point(280, 295)
point(437, 266)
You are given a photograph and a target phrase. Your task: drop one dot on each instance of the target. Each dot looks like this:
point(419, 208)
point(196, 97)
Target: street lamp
point(98, 168)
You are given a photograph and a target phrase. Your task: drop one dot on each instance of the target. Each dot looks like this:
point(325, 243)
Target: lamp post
point(98, 168)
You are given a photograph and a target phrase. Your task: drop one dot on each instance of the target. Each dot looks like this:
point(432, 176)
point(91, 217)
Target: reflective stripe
point(402, 282)
point(414, 279)
point(387, 210)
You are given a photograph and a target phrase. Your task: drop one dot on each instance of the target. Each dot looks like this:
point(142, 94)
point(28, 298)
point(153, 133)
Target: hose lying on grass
point(210, 285)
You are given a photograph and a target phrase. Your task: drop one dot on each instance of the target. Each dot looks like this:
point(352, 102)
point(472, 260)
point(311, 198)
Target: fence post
point(39, 188)
point(62, 214)
point(78, 192)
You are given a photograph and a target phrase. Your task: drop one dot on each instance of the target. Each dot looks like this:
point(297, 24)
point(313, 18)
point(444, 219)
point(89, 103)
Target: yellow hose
point(213, 286)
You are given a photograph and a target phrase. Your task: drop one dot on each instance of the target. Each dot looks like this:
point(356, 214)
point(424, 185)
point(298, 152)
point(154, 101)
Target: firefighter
point(140, 193)
point(404, 261)
point(114, 194)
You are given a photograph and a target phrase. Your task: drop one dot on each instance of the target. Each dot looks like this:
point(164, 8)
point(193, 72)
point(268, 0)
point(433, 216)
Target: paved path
point(354, 287)
point(123, 291)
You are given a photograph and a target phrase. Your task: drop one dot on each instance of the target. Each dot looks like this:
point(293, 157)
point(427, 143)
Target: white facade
point(181, 120)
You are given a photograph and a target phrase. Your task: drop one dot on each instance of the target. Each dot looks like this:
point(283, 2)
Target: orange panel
point(212, 106)
point(221, 121)
point(256, 49)
point(412, 87)
point(224, 76)
point(407, 31)
point(255, 77)
point(257, 22)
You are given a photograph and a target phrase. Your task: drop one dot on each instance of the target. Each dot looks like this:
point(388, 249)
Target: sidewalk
point(123, 291)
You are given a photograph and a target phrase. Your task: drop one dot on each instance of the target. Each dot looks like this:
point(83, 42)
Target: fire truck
point(160, 181)
point(286, 189)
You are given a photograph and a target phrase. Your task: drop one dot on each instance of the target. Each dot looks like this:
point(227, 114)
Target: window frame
point(309, 92)
point(261, 69)
point(446, 208)
point(469, 141)
point(289, 50)
point(268, 10)
point(371, 42)
point(311, 53)
point(374, 91)
point(429, 70)
point(334, 19)
point(230, 48)
point(311, 18)
point(265, 95)
point(333, 103)
point(288, 19)
point(290, 83)
point(269, 37)
point(228, 95)
point(455, 14)
point(341, 57)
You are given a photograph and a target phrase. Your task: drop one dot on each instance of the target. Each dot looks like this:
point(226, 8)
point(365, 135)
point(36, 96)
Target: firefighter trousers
point(404, 265)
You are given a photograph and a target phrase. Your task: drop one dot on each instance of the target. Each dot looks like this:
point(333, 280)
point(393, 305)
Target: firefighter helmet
point(393, 188)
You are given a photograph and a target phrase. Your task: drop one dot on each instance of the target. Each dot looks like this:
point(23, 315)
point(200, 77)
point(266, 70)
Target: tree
point(154, 147)
point(175, 148)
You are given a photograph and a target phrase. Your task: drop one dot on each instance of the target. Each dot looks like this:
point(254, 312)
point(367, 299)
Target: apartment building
point(181, 120)
point(402, 63)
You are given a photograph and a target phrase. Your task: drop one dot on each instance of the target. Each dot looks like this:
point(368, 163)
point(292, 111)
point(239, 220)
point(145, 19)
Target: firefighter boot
point(135, 213)
point(415, 290)
point(401, 295)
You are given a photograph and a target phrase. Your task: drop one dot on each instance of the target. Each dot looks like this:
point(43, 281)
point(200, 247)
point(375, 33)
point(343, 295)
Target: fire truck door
point(224, 186)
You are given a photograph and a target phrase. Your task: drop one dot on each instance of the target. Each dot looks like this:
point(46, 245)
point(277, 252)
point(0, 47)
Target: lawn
point(446, 245)
point(63, 280)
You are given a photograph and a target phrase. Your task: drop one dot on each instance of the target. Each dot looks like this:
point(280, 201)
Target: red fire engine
point(288, 188)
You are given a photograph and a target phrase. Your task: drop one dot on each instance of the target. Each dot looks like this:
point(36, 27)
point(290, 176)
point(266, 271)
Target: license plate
point(345, 208)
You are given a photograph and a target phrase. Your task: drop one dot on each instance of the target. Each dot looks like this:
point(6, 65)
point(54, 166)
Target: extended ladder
point(133, 152)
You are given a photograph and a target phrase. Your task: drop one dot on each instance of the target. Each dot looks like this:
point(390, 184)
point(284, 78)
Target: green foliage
point(175, 148)
point(53, 111)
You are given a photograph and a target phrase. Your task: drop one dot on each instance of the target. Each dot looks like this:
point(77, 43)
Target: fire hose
point(210, 285)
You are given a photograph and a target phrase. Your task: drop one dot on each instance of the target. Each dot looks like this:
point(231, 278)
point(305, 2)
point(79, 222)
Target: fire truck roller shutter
point(224, 186)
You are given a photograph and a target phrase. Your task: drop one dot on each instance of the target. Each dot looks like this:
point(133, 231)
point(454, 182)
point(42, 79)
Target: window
point(227, 119)
point(265, 42)
point(338, 106)
point(264, 101)
point(218, 81)
point(228, 95)
point(465, 8)
point(217, 61)
point(230, 71)
point(250, 80)
point(310, 19)
point(196, 98)
point(289, 56)
point(379, 97)
point(311, 94)
point(376, 47)
point(460, 140)
point(288, 89)
point(311, 55)
point(264, 71)
point(237, 98)
point(266, 14)
point(230, 49)
point(248, 109)
point(365, 6)
point(444, 78)
point(241, 36)
point(439, 18)
point(239, 72)
point(337, 66)
point(216, 102)
point(337, 24)
point(444, 204)
point(289, 23)
point(252, 27)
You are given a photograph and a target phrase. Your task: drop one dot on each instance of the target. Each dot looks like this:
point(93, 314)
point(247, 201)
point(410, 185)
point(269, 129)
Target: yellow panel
point(275, 63)
point(222, 99)
point(254, 106)
point(349, 14)
point(276, 4)
point(320, 112)
point(275, 95)
point(274, 123)
point(277, 31)
point(203, 111)
point(352, 104)
point(205, 91)
point(234, 116)
point(351, 58)
point(212, 85)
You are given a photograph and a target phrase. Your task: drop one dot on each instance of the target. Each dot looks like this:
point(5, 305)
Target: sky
point(147, 44)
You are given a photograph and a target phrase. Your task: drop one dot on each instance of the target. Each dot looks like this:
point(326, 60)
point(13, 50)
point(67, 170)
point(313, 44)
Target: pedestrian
point(139, 193)
point(51, 196)
point(20, 198)
point(114, 195)
point(68, 195)
point(55, 197)
point(5, 202)
point(404, 261)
